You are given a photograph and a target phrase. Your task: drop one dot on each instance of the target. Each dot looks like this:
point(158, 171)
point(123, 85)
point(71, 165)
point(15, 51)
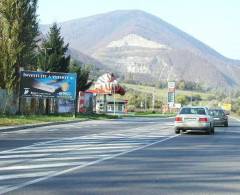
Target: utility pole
point(145, 104)
point(114, 102)
point(191, 98)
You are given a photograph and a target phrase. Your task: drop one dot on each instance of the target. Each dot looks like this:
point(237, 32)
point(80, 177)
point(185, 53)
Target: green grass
point(150, 114)
point(163, 92)
point(36, 119)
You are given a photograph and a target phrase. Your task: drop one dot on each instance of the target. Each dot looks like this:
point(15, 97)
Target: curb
point(16, 128)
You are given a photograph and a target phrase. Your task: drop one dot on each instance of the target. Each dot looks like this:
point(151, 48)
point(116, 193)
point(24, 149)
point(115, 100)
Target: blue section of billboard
point(48, 85)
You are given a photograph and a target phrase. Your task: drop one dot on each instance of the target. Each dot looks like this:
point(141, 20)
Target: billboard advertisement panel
point(48, 85)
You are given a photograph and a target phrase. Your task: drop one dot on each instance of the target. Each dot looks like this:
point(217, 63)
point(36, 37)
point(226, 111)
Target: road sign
point(171, 93)
point(171, 85)
point(171, 97)
point(227, 107)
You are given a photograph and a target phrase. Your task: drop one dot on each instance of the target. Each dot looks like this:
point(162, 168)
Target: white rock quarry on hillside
point(138, 55)
point(133, 40)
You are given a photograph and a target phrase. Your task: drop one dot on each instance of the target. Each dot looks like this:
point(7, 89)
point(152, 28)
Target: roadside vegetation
point(151, 114)
point(142, 98)
point(10, 120)
point(23, 48)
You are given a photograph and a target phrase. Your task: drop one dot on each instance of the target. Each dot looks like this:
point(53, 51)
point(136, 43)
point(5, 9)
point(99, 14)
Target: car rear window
point(200, 111)
point(217, 113)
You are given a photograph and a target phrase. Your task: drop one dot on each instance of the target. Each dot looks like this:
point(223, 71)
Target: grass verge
point(150, 114)
point(36, 119)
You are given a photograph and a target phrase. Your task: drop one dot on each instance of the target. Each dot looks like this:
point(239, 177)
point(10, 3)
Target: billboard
point(48, 85)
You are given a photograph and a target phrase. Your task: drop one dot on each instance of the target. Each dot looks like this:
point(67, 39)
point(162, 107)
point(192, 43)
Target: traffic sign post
point(171, 94)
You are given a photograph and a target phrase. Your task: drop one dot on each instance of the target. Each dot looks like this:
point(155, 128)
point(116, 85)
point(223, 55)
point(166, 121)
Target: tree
point(18, 35)
point(52, 56)
point(2, 83)
point(181, 85)
point(83, 73)
point(182, 99)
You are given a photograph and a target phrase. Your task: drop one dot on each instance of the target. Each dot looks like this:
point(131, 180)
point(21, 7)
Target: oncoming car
point(194, 118)
point(219, 117)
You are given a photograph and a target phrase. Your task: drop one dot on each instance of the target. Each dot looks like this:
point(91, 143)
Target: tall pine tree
point(83, 73)
point(2, 83)
point(52, 56)
point(18, 35)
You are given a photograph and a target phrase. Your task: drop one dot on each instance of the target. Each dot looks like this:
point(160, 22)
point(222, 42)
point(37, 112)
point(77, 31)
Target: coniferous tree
point(83, 73)
point(52, 56)
point(18, 34)
point(2, 82)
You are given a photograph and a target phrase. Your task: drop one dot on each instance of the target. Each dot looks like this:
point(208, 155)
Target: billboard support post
point(19, 91)
point(75, 109)
point(75, 97)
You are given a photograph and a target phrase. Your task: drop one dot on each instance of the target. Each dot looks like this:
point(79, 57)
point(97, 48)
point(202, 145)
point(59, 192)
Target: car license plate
point(190, 119)
point(217, 119)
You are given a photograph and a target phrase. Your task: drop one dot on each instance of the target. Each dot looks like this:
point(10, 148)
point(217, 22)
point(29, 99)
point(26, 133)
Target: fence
point(8, 102)
point(9, 105)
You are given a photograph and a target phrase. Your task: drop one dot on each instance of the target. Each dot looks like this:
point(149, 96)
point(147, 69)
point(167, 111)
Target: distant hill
point(144, 48)
point(97, 67)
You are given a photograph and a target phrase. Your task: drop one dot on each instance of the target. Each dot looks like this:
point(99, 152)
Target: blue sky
point(215, 22)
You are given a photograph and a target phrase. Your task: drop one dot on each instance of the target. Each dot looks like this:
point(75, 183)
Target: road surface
point(127, 156)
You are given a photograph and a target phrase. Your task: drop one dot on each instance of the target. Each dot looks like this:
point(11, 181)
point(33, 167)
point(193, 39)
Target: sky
point(214, 22)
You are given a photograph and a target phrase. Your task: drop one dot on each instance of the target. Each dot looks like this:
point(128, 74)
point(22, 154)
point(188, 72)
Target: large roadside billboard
point(48, 85)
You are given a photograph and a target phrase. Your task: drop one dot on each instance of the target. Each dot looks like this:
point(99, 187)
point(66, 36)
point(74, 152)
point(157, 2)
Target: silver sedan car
point(194, 118)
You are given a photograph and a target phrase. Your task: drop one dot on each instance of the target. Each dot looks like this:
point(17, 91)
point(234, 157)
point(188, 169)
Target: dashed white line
point(9, 189)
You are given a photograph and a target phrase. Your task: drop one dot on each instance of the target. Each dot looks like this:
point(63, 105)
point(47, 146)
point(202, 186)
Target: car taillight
point(203, 119)
point(178, 119)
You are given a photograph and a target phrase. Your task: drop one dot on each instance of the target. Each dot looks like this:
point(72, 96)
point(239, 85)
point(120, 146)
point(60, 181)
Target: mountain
point(144, 48)
point(97, 67)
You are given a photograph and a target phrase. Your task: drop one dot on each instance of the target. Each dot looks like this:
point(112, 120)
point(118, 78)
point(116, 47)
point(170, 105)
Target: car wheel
point(226, 124)
point(177, 131)
point(209, 131)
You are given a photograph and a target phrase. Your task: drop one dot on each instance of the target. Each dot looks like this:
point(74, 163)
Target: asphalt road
point(128, 156)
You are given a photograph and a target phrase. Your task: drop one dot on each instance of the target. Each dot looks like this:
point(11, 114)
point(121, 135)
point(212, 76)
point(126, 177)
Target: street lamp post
point(191, 98)
point(114, 102)
point(114, 84)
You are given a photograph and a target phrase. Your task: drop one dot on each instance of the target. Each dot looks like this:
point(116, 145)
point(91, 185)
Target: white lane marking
point(25, 175)
point(30, 155)
point(73, 138)
point(40, 166)
point(137, 138)
point(78, 125)
point(9, 189)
